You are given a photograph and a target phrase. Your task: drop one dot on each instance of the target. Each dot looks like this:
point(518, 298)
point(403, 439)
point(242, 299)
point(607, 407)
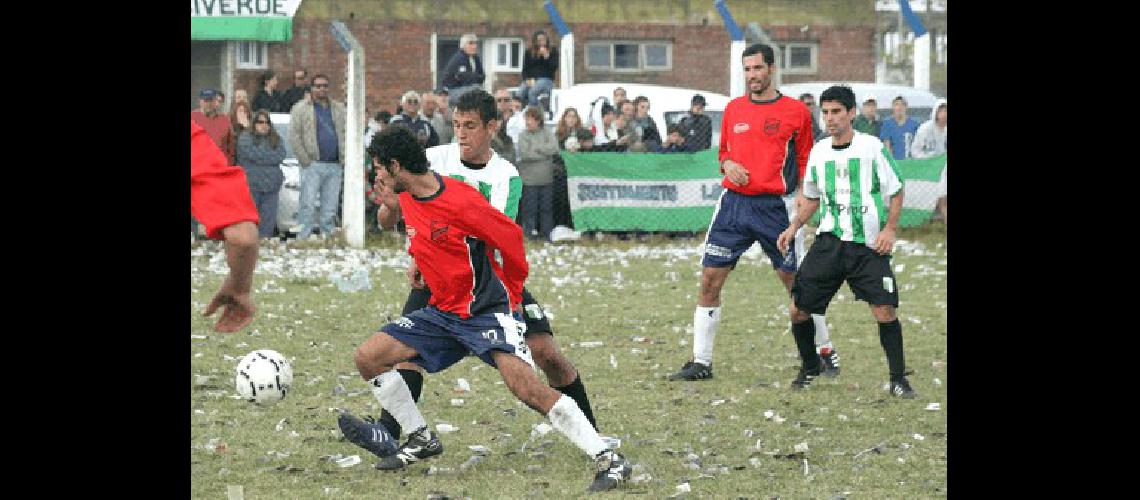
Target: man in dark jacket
point(464, 72)
point(697, 127)
point(297, 91)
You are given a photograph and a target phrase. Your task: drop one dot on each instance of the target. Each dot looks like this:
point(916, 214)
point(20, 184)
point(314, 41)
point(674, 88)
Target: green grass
point(596, 291)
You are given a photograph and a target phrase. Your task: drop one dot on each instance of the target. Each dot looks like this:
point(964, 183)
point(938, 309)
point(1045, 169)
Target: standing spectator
point(646, 126)
point(433, 113)
point(930, 138)
point(809, 101)
point(464, 72)
point(898, 133)
point(627, 131)
point(538, 67)
point(607, 133)
point(260, 152)
point(316, 135)
point(269, 98)
point(930, 141)
point(868, 122)
point(241, 119)
point(697, 127)
point(512, 120)
point(568, 130)
point(221, 98)
point(217, 126)
point(675, 142)
point(619, 97)
point(442, 119)
point(502, 142)
point(410, 117)
point(294, 94)
point(537, 148)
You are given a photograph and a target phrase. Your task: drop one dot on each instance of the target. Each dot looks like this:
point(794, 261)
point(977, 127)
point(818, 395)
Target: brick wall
point(398, 54)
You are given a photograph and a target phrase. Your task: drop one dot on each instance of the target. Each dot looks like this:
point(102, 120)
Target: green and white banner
point(678, 192)
point(260, 20)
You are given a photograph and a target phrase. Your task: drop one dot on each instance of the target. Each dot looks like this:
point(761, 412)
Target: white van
point(920, 103)
point(667, 105)
point(289, 199)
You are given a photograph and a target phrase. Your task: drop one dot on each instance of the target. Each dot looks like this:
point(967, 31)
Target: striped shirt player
point(854, 182)
point(498, 181)
point(765, 140)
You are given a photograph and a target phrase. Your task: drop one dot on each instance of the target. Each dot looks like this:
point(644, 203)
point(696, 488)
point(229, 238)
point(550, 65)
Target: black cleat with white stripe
point(900, 388)
point(829, 363)
point(421, 444)
point(613, 469)
point(693, 371)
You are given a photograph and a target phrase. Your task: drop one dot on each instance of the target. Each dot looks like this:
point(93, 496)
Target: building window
point(506, 54)
point(252, 55)
point(897, 48)
point(799, 58)
point(629, 57)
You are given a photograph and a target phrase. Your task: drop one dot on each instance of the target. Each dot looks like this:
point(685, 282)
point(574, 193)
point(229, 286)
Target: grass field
point(712, 437)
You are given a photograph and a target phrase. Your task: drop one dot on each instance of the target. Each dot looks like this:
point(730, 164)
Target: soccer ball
point(264, 377)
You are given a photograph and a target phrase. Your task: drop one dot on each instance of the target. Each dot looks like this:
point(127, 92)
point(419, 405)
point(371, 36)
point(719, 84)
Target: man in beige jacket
point(316, 135)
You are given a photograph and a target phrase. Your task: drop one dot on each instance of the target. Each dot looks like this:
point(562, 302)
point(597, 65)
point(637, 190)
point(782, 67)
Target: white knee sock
point(393, 394)
point(705, 320)
point(572, 423)
point(822, 338)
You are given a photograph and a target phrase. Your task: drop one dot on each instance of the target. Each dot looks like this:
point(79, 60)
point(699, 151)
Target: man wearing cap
point(216, 124)
point(697, 127)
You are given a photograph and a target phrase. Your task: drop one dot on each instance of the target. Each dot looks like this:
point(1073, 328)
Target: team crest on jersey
point(771, 126)
point(740, 128)
point(438, 229)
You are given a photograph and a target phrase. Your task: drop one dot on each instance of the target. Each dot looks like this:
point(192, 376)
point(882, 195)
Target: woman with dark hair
point(260, 152)
point(539, 64)
point(269, 98)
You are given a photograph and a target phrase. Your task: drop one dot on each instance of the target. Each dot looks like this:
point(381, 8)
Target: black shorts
point(536, 320)
point(830, 262)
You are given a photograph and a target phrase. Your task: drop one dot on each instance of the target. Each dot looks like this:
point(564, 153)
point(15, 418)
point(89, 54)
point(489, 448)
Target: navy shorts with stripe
point(441, 338)
point(536, 320)
point(740, 220)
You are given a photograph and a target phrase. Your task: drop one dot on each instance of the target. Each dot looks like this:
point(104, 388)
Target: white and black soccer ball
point(264, 377)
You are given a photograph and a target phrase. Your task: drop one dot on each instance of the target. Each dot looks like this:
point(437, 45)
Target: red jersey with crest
point(772, 139)
point(453, 235)
point(219, 194)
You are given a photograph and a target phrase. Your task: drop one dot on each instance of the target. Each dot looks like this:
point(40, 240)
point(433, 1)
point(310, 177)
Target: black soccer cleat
point(367, 434)
point(415, 449)
point(804, 378)
point(829, 363)
point(612, 470)
point(693, 371)
point(900, 388)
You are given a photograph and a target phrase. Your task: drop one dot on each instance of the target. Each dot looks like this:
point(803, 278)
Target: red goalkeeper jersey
point(453, 235)
point(771, 139)
point(219, 194)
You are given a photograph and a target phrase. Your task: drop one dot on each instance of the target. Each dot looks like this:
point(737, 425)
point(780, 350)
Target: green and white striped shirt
point(498, 181)
point(854, 186)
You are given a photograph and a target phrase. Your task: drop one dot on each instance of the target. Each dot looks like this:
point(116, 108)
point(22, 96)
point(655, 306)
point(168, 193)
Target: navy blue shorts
point(441, 338)
point(738, 221)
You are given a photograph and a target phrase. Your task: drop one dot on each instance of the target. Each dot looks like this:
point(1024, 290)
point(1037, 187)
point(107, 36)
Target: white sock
point(822, 337)
point(571, 422)
point(705, 320)
point(393, 394)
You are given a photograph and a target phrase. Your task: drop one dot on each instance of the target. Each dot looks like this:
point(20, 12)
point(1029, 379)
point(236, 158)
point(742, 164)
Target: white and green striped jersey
point(854, 186)
point(499, 181)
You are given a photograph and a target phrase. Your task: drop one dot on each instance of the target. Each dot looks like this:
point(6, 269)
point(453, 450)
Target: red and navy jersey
point(453, 235)
point(219, 194)
point(772, 139)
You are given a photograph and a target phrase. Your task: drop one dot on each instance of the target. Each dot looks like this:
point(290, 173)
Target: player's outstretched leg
point(412, 374)
point(560, 372)
point(565, 416)
point(803, 329)
point(890, 337)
